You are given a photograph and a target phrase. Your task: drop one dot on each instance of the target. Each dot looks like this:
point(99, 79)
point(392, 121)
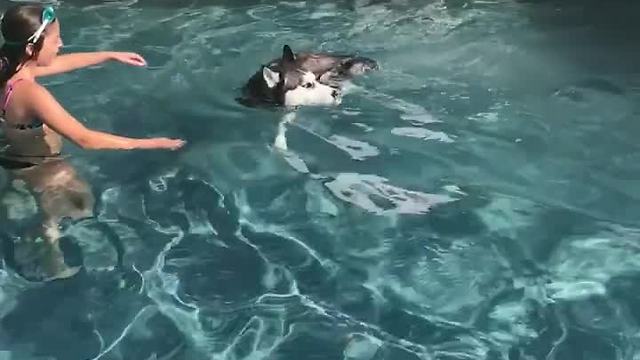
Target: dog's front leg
point(281, 138)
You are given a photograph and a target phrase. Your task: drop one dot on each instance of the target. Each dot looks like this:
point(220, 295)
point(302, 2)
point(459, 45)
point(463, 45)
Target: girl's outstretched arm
point(69, 62)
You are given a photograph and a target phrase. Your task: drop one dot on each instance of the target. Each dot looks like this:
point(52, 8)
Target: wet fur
point(329, 69)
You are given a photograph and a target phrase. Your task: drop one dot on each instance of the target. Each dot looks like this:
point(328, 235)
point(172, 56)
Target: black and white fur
point(303, 79)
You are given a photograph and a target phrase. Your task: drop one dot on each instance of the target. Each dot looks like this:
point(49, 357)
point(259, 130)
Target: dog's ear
point(287, 55)
point(272, 78)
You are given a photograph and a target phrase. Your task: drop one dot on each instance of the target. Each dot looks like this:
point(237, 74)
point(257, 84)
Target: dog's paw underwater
point(304, 79)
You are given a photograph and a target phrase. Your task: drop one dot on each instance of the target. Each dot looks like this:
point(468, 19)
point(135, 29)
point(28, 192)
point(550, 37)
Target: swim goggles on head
point(48, 16)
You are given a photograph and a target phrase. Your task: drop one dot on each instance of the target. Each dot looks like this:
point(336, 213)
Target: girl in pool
point(34, 123)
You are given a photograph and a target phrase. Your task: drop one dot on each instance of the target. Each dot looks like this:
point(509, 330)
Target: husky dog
point(303, 79)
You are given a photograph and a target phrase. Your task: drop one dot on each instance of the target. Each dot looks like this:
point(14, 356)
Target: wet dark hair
point(18, 24)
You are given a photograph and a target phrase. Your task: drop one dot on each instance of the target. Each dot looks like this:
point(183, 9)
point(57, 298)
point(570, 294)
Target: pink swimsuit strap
point(8, 90)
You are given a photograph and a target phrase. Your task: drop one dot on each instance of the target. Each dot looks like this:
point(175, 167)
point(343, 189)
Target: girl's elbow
point(86, 143)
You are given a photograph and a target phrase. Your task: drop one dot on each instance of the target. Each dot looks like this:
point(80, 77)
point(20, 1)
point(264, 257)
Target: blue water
point(476, 198)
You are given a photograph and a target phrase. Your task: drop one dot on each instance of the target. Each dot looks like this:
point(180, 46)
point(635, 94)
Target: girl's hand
point(128, 58)
point(166, 143)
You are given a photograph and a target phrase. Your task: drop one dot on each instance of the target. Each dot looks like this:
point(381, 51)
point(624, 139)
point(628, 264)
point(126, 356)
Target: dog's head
point(284, 82)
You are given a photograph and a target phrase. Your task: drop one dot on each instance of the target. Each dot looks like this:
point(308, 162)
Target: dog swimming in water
point(303, 79)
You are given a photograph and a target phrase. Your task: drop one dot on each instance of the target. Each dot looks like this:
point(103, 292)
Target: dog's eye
point(308, 85)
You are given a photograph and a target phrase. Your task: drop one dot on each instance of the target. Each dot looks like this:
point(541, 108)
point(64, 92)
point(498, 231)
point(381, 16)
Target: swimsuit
point(14, 161)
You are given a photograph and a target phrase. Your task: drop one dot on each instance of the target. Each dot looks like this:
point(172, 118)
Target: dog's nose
point(335, 93)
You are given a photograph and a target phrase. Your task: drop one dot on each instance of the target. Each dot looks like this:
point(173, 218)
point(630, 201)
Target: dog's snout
point(335, 93)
